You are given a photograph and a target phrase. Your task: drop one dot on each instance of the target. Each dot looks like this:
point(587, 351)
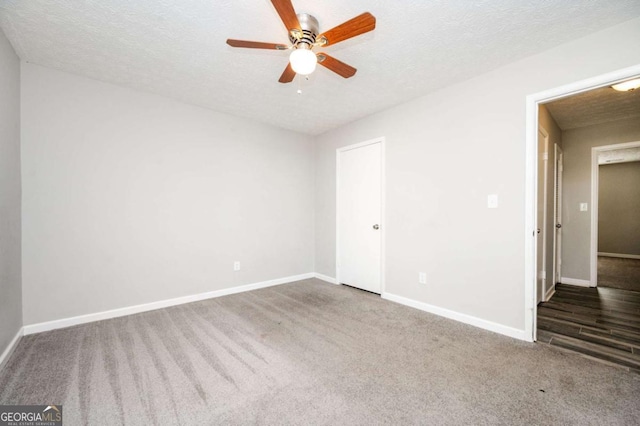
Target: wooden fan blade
point(255, 44)
point(287, 75)
point(359, 25)
point(287, 14)
point(336, 66)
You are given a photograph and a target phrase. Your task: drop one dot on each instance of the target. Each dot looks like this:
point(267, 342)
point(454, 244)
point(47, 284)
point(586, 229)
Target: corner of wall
point(11, 318)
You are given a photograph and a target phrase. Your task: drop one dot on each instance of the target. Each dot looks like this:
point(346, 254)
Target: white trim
point(382, 141)
point(532, 102)
point(620, 255)
point(549, 294)
point(595, 179)
point(383, 216)
point(12, 346)
point(130, 310)
point(576, 281)
point(593, 242)
point(557, 212)
point(325, 278)
point(543, 228)
point(457, 316)
point(530, 218)
point(360, 144)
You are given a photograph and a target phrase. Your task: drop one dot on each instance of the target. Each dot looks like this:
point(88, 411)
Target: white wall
point(576, 225)
point(131, 198)
point(445, 153)
point(10, 267)
point(619, 208)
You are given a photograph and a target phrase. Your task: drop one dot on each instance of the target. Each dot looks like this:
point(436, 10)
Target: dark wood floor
point(600, 323)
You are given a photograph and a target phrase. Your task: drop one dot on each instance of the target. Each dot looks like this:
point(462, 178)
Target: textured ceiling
point(595, 107)
point(177, 48)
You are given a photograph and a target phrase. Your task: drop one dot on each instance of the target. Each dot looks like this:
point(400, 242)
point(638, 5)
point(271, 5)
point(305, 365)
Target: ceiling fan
point(304, 36)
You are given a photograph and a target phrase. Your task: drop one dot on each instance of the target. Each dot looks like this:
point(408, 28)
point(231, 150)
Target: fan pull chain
point(299, 90)
point(299, 86)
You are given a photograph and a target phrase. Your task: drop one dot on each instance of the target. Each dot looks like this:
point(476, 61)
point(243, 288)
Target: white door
point(558, 218)
point(359, 215)
point(543, 139)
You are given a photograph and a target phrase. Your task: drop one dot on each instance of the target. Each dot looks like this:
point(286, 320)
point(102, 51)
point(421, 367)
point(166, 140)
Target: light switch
point(583, 207)
point(492, 201)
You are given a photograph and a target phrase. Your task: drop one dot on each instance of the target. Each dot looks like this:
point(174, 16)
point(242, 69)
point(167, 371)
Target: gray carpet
point(309, 353)
point(619, 273)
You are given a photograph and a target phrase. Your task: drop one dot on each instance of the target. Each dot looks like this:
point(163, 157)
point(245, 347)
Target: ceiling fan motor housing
point(310, 29)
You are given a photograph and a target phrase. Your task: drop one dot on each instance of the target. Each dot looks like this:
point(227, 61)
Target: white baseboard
point(623, 256)
point(550, 293)
point(326, 278)
point(12, 346)
point(457, 316)
point(575, 281)
point(130, 310)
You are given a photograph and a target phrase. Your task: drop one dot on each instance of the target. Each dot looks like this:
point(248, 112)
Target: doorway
point(531, 189)
point(615, 223)
point(597, 187)
point(360, 215)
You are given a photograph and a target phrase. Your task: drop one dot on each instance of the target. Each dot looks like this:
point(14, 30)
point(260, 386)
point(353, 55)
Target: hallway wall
point(577, 144)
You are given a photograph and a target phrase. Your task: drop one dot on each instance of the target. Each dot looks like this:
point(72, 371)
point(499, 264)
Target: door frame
point(558, 170)
point(595, 183)
point(383, 228)
point(543, 229)
point(531, 165)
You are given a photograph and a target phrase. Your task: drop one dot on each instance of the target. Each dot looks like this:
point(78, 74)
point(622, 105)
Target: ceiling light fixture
point(627, 86)
point(304, 36)
point(303, 60)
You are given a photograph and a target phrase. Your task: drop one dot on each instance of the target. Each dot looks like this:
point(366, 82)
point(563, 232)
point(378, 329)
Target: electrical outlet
point(422, 277)
point(236, 265)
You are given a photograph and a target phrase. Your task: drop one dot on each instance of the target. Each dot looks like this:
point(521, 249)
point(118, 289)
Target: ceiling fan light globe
point(303, 61)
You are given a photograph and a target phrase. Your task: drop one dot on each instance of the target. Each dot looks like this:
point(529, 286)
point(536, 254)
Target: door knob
point(376, 226)
point(538, 231)
point(558, 225)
